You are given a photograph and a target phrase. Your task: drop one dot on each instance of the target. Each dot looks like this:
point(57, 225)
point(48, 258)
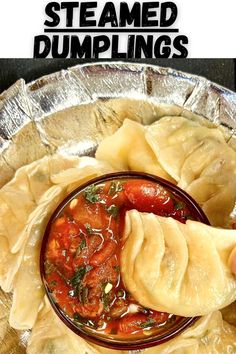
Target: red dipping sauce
point(81, 255)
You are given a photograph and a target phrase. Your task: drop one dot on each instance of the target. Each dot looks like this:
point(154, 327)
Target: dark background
point(221, 71)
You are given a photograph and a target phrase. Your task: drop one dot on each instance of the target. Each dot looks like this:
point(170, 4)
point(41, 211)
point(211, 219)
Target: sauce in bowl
point(80, 257)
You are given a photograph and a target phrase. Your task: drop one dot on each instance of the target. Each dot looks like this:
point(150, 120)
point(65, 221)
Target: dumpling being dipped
point(177, 268)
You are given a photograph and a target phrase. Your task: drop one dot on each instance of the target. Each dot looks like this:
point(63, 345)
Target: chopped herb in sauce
point(115, 187)
point(178, 205)
point(80, 248)
point(79, 275)
point(77, 317)
point(89, 229)
point(113, 210)
point(149, 323)
point(83, 295)
point(53, 283)
point(80, 320)
point(117, 268)
point(91, 194)
point(80, 291)
point(121, 293)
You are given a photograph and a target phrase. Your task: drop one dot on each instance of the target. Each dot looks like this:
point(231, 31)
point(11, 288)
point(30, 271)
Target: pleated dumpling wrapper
point(23, 193)
point(177, 268)
point(210, 334)
point(200, 161)
point(51, 180)
point(50, 335)
point(127, 149)
point(173, 139)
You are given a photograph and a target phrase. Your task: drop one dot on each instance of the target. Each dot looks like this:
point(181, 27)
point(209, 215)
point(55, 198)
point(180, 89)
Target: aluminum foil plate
point(71, 111)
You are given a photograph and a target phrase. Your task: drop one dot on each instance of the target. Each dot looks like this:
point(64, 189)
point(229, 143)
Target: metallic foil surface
point(71, 111)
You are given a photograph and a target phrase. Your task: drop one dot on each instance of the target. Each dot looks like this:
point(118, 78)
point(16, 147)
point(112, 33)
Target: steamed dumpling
point(20, 271)
point(216, 197)
point(18, 199)
point(215, 189)
point(50, 335)
point(127, 149)
point(174, 139)
point(208, 335)
point(27, 283)
point(177, 268)
point(22, 194)
point(201, 161)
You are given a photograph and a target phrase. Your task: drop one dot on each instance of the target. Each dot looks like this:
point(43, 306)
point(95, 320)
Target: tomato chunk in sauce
point(82, 257)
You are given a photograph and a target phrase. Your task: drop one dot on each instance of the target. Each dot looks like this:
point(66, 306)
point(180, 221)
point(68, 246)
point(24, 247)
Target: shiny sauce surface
point(82, 257)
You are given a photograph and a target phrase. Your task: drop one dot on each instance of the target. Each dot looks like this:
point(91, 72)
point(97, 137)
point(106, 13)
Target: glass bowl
point(107, 340)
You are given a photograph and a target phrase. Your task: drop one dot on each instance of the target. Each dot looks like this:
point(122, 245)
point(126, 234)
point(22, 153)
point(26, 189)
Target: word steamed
point(82, 30)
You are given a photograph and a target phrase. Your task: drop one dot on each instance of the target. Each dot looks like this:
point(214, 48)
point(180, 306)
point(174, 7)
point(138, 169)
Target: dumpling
point(19, 198)
point(215, 189)
point(87, 169)
point(210, 334)
point(22, 194)
point(27, 283)
point(174, 139)
point(20, 271)
point(50, 335)
point(127, 149)
point(201, 161)
point(216, 196)
point(177, 268)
